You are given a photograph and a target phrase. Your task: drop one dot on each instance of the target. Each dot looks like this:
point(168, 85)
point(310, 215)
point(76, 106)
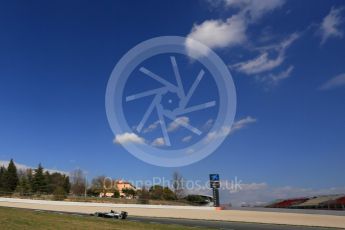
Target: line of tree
point(37, 181)
point(9, 177)
point(99, 185)
point(156, 192)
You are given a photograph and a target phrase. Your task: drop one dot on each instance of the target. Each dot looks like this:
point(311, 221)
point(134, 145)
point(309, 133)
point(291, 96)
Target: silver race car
point(112, 214)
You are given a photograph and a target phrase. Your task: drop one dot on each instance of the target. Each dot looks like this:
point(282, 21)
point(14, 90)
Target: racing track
point(189, 215)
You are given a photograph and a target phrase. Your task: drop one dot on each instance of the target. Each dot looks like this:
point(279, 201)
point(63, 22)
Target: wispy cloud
point(24, 167)
point(208, 124)
point(158, 142)
point(254, 9)
point(264, 62)
point(335, 82)
point(274, 79)
point(152, 127)
point(174, 125)
point(225, 130)
point(214, 135)
point(128, 138)
point(187, 138)
point(232, 31)
point(242, 123)
point(190, 151)
point(331, 25)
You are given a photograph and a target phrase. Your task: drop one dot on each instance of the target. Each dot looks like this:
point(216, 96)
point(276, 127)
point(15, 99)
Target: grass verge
point(14, 218)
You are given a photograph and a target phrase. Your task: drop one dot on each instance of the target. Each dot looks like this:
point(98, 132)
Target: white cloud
point(158, 142)
point(264, 62)
point(211, 136)
point(151, 127)
point(187, 138)
point(208, 124)
point(128, 138)
point(260, 64)
point(217, 34)
point(253, 8)
point(330, 26)
point(335, 82)
point(252, 187)
point(232, 31)
point(276, 78)
point(24, 167)
point(242, 123)
point(225, 130)
point(190, 151)
point(174, 125)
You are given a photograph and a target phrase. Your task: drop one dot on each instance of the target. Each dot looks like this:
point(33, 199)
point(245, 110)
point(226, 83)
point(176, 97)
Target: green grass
point(14, 218)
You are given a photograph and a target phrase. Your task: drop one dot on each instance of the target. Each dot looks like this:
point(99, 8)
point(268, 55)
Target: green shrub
point(59, 194)
point(196, 199)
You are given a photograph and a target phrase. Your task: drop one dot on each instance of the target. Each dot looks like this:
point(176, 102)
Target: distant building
point(336, 202)
point(328, 202)
point(107, 194)
point(287, 203)
point(120, 185)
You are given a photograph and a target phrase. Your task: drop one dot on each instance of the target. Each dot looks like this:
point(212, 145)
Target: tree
point(56, 180)
point(2, 178)
point(196, 199)
point(129, 192)
point(66, 184)
point(50, 186)
point(156, 192)
point(144, 196)
point(30, 178)
point(26, 181)
point(99, 185)
point(39, 183)
point(92, 192)
point(78, 182)
point(116, 193)
point(11, 177)
point(178, 185)
point(98, 182)
point(59, 193)
point(23, 187)
point(168, 194)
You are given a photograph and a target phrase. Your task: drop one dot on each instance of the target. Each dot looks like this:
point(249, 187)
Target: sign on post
point(214, 181)
point(215, 184)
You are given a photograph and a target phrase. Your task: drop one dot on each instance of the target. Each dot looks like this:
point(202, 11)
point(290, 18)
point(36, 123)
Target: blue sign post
point(215, 184)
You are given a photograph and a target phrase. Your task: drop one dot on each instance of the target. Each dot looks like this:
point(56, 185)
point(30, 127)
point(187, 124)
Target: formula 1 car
point(112, 214)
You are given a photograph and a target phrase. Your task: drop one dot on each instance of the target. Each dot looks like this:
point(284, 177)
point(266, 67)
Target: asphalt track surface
point(220, 224)
point(190, 216)
point(200, 224)
point(303, 211)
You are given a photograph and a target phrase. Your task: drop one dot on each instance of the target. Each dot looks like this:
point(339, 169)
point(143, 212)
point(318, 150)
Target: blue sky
point(286, 59)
